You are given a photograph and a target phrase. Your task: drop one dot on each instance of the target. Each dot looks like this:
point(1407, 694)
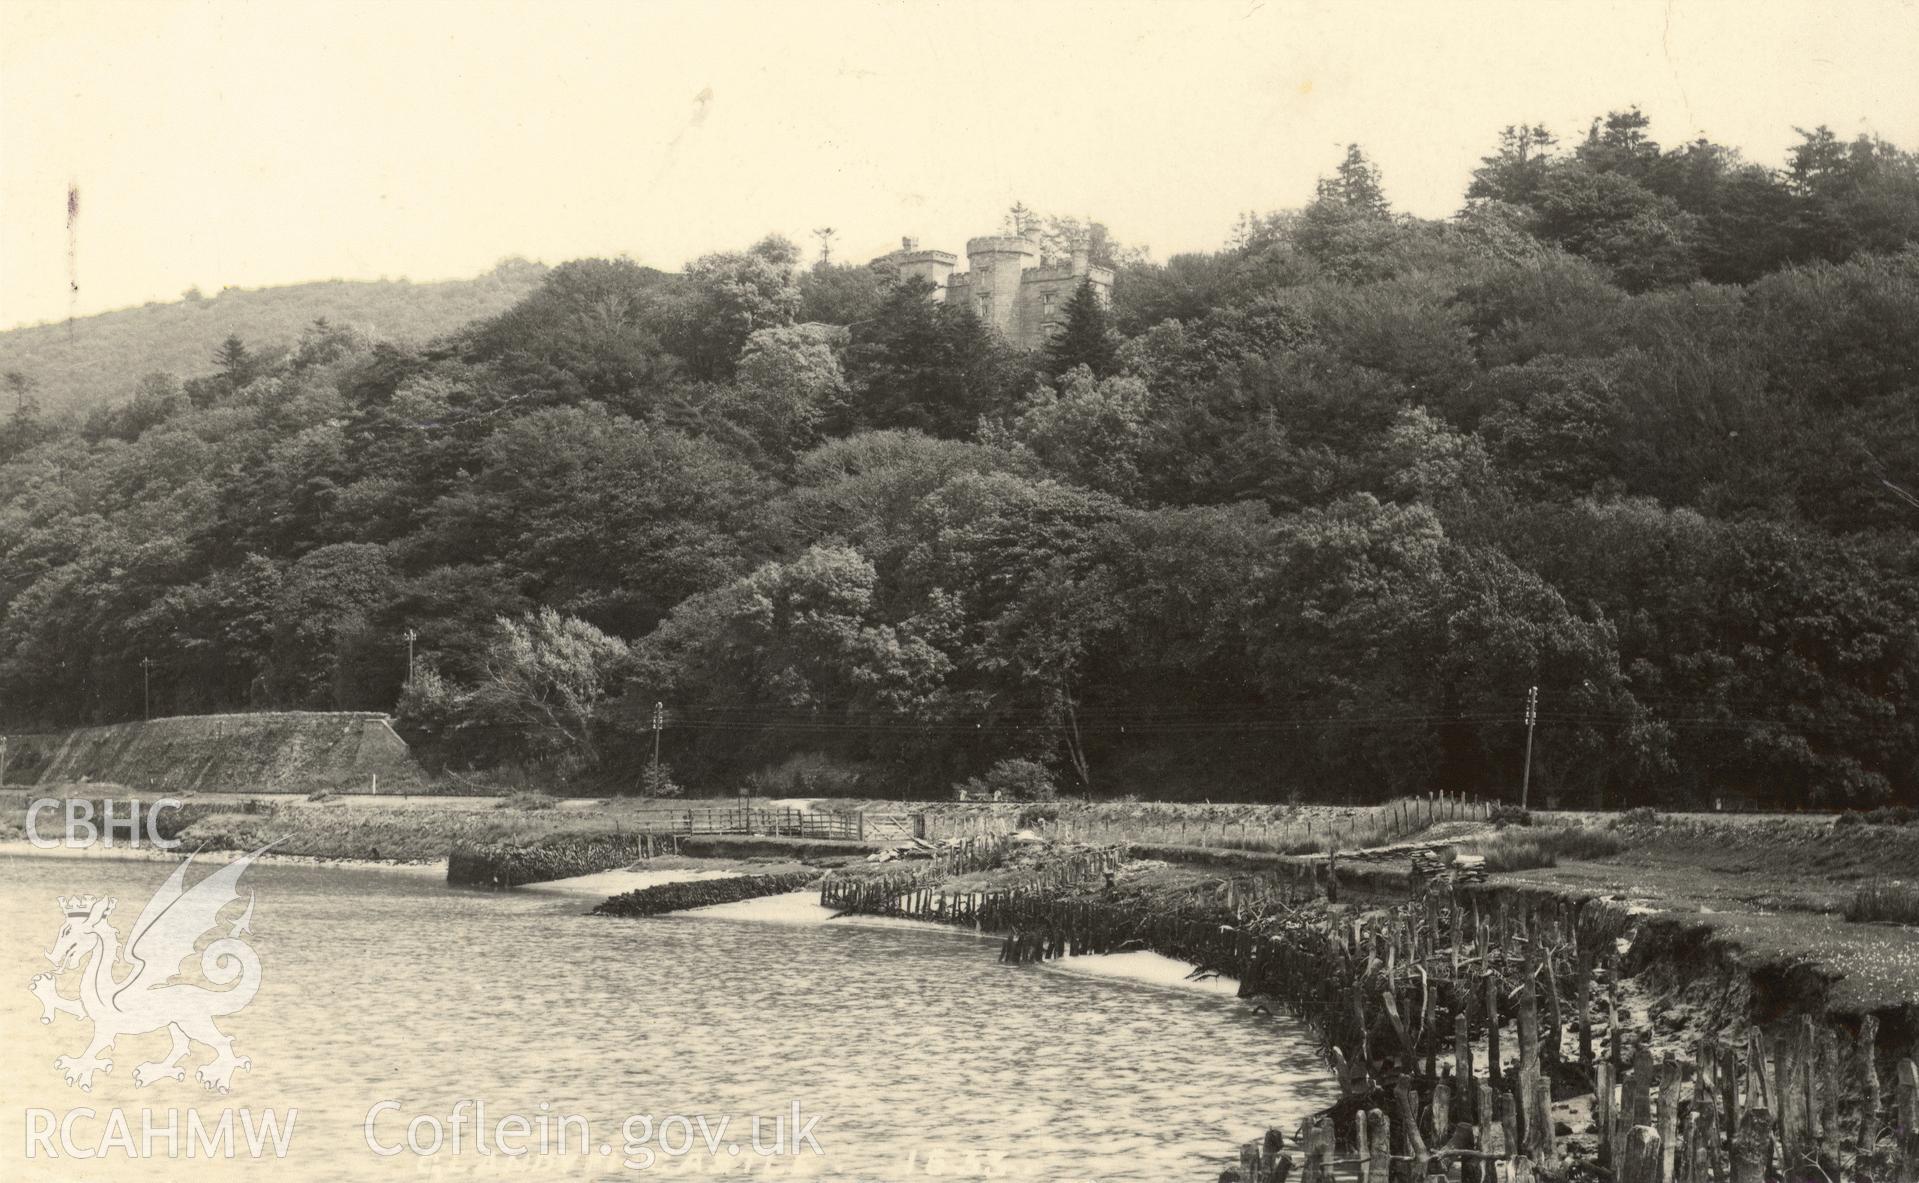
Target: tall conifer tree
point(1086, 339)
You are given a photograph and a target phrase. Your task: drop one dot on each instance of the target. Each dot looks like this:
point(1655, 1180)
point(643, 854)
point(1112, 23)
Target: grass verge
point(1896, 902)
point(1517, 850)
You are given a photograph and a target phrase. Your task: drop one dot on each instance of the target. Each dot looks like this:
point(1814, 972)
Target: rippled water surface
point(907, 1044)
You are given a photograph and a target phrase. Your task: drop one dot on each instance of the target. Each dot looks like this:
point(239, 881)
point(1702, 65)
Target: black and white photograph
point(1074, 591)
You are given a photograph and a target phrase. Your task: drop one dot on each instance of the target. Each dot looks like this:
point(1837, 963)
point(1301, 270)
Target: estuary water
point(387, 999)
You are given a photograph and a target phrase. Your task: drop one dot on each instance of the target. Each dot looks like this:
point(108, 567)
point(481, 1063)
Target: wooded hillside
point(99, 359)
point(1303, 516)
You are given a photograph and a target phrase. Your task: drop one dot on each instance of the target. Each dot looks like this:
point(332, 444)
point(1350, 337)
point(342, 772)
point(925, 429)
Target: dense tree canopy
point(1303, 516)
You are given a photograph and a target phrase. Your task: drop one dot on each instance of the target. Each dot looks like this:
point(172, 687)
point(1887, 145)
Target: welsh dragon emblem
point(147, 997)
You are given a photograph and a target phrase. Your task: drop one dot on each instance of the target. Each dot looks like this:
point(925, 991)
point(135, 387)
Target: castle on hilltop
point(1006, 285)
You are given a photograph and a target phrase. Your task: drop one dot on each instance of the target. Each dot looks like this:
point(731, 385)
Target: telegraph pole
point(825, 234)
point(659, 721)
point(146, 688)
point(412, 635)
point(1532, 717)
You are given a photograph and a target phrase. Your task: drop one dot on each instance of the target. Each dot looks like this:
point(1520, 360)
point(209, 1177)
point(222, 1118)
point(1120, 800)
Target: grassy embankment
point(417, 829)
point(1803, 907)
point(412, 830)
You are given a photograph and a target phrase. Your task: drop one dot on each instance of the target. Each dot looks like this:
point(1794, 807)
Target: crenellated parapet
point(1005, 285)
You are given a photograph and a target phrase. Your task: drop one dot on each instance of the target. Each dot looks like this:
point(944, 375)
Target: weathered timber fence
point(795, 823)
point(561, 856)
point(500, 864)
point(1196, 826)
point(1802, 1105)
point(673, 897)
point(913, 891)
point(1454, 1021)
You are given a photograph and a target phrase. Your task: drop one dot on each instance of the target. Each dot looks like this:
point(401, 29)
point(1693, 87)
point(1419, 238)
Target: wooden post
point(1528, 1067)
point(1491, 1139)
point(1706, 1062)
point(1908, 1127)
point(1669, 1077)
point(1638, 1098)
point(1362, 1148)
point(1759, 1090)
point(1703, 1137)
point(1428, 1034)
point(1508, 1123)
point(1409, 1117)
point(1869, 1083)
point(1583, 973)
point(1641, 1163)
point(1603, 1117)
point(1791, 1103)
point(1379, 1139)
point(1555, 1020)
point(1365, 1033)
point(1810, 1070)
point(1752, 1146)
point(1492, 1029)
point(1706, 1160)
point(1273, 1158)
point(1729, 1104)
point(1457, 1168)
point(1463, 1064)
point(1399, 1029)
point(1539, 1125)
point(1828, 1093)
point(1613, 1051)
point(1319, 1146)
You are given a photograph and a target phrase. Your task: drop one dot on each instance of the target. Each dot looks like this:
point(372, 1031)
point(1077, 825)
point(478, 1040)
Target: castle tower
point(936, 267)
point(997, 263)
point(1008, 289)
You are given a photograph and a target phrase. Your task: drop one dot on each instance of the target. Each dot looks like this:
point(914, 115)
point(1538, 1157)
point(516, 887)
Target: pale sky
point(265, 143)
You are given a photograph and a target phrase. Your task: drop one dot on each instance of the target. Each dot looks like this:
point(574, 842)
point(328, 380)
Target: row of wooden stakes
point(1422, 997)
point(1484, 1153)
point(1653, 1129)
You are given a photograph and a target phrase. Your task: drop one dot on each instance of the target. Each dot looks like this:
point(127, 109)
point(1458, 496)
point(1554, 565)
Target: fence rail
point(793, 823)
point(1364, 826)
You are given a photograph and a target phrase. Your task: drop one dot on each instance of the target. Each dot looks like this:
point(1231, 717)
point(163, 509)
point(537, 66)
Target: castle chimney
point(1082, 256)
point(909, 243)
